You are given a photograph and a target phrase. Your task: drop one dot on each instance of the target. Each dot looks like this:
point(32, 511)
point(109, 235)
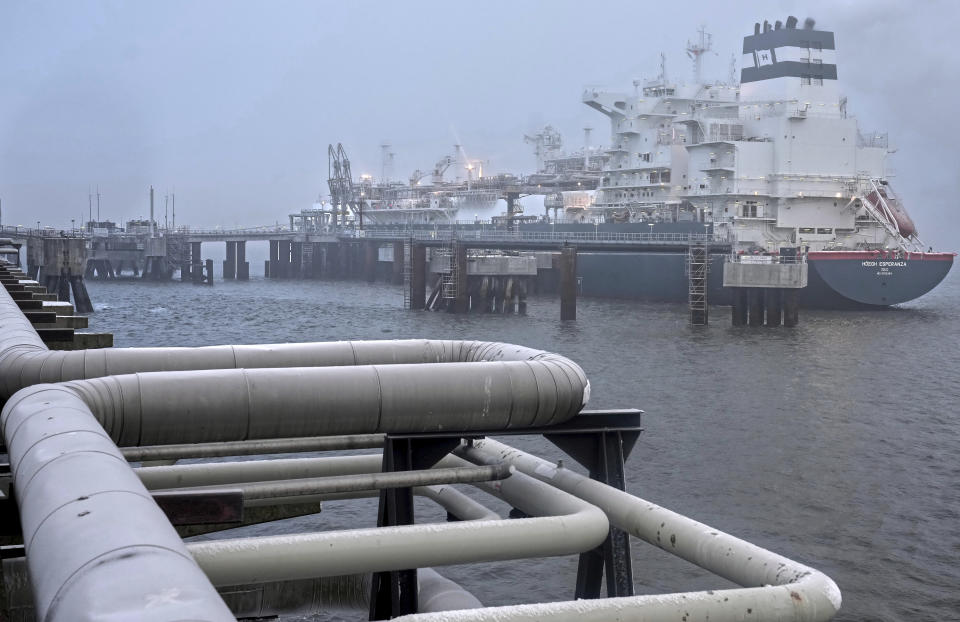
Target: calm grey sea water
point(835, 443)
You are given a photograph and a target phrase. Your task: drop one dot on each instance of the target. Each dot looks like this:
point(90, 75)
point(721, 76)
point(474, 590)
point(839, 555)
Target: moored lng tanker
point(773, 166)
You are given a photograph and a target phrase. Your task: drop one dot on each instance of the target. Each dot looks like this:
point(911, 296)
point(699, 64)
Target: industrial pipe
point(97, 545)
point(562, 525)
point(26, 361)
point(281, 598)
point(226, 473)
point(241, 404)
point(252, 448)
point(779, 588)
point(368, 481)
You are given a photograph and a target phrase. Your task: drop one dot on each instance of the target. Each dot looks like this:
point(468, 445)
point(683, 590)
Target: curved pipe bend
point(25, 359)
point(561, 525)
point(776, 587)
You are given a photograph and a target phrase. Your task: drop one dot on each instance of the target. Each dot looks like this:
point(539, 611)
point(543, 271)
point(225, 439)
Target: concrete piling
point(371, 251)
point(230, 263)
point(331, 263)
point(567, 264)
point(791, 314)
point(461, 303)
point(397, 268)
point(196, 263)
point(243, 266)
point(343, 260)
point(209, 277)
point(739, 306)
point(270, 268)
point(296, 260)
point(283, 259)
point(754, 306)
point(772, 300)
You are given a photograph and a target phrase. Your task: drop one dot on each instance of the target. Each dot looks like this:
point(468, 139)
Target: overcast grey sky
point(232, 104)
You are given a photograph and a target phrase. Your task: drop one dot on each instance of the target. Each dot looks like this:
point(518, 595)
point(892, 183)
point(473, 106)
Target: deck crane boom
point(343, 195)
point(441, 167)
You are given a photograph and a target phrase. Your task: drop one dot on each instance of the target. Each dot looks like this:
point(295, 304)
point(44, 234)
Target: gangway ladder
point(406, 272)
point(448, 282)
point(698, 267)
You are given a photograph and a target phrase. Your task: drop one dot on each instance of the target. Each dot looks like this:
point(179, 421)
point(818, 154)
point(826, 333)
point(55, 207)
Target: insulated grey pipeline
point(253, 448)
point(26, 361)
point(253, 491)
point(777, 588)
point(243, 404)
point(98, 546)
point(561, 525)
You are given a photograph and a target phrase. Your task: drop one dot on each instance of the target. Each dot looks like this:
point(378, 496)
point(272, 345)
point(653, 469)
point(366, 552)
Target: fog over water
point(231, 105)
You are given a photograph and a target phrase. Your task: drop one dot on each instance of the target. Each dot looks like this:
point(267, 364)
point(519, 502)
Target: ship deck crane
point(343, 195)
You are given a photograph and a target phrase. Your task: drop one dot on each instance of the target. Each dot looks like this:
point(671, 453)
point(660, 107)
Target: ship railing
point(546, 236)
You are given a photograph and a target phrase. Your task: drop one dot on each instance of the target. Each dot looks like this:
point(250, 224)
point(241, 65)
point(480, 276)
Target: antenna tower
point(698, 49)
point(386, 163)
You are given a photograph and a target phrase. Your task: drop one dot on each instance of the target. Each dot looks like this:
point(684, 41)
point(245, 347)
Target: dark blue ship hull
point(836, 280)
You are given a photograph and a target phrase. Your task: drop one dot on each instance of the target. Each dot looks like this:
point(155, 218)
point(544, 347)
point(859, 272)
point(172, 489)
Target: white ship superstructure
point(772, 162)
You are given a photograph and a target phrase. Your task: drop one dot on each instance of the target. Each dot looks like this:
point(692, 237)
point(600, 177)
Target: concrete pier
point(480, 282)
point(59, 264)
point(765, 287)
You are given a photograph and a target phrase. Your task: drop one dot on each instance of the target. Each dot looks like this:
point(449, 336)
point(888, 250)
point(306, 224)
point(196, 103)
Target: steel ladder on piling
point(406, 273)
point(448, 283)
point(698, 267)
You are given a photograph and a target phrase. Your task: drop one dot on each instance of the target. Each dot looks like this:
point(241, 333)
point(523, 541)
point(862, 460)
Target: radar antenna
point(698, 49)
point(663, 69)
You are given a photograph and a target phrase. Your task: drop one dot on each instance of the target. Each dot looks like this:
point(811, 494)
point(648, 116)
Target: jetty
point(96, 513)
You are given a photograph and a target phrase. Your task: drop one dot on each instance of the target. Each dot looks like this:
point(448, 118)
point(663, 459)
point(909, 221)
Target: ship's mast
point(697, 49)
point(586, 147)
point(386, 163)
